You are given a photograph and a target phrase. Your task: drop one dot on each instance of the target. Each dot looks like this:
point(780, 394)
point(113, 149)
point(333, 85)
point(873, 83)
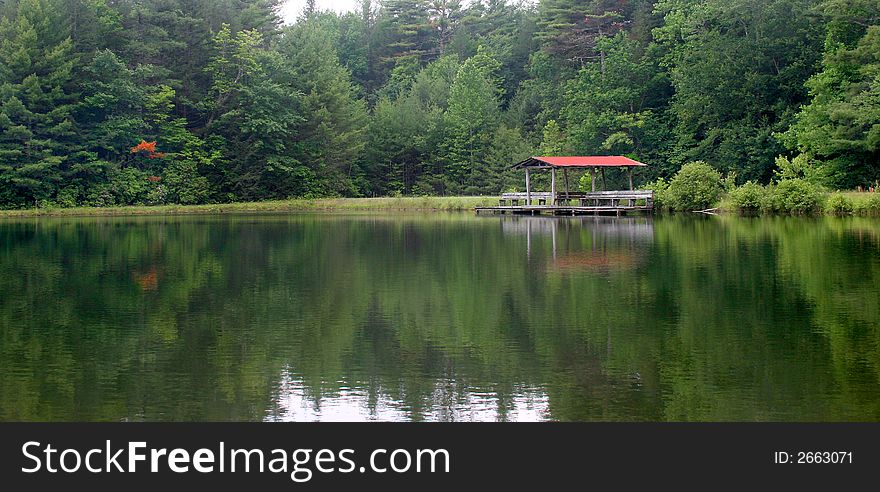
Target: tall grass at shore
point(452, 203)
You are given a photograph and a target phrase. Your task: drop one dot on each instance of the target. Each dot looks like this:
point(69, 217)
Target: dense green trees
point(839, 130)
point(423, 96)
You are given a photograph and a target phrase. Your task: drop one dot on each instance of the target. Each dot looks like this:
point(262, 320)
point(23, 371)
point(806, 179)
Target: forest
point(147, 102)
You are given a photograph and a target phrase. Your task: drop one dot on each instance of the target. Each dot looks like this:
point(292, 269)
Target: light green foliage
point(660, 187)
point(794, 196)
point(585, 182)
point(695, 186)
point(800, 167)
point(406, 133)
point(839, 204)
point(554, 140)
point(869, 206)
point(470, 120)
point(748, 197)
point(603, 109)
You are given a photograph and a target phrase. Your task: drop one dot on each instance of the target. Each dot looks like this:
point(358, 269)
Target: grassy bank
point(456, 203)
point(819, 203)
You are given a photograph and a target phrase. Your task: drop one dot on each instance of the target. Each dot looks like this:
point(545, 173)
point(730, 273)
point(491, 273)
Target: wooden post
point(629, 171)
point(593, 178)
point(567, 189)
point(528, 188)
point(552, 186)
point(604, 184)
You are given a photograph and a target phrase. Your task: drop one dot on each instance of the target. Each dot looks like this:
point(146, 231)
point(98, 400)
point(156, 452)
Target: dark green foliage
point(841, 126)
point(37, 130)
point(428, 96)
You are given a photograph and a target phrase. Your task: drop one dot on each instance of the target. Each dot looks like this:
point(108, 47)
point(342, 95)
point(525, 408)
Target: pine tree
point(37, 131)
point(330, 138)
point(471, 120)
point(408, 38)
point(569, 29)
point(253, 118)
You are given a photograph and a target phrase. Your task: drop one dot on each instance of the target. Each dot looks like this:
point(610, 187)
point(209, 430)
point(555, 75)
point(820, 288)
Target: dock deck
point(596, 203)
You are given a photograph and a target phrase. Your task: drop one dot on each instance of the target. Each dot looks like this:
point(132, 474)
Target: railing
point(538, 198)
point(582, 199)
point(606, 198)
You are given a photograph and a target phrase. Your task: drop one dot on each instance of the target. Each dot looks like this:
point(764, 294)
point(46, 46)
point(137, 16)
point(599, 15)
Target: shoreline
point(387, 204)
point(396, 204)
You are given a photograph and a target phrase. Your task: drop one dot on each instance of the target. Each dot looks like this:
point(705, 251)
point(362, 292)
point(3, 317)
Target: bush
point(748, 197)
point(839, 204)
point(870, 207)
point(185, 185)
point(794, 196)
point(695, 186)
point(660, 187)
point(68, 197)
point(585, 183)
point(100, 195)
point(129, 186)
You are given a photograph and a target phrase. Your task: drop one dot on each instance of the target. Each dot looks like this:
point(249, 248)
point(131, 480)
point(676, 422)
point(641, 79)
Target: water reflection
point(295, 403)
point(439, 317)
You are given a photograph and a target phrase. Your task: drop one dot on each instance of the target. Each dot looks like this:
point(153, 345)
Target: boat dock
point(596, 203)
point(615, 202)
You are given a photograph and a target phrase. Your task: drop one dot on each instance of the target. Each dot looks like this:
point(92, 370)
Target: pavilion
point(592, 201)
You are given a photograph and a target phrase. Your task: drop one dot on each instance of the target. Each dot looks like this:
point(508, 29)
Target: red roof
point(581, 161)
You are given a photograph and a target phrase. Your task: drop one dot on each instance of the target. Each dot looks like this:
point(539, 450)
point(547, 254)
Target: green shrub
point(748, 197)
point(158, 195)
point(585, 183)
point(68, 197)
point(870, 206)
point(100, 195)
point(839, 204)
point(185, 185)
point(695, 186)
point(660, 187)
point(129, 186)
point(794, 196)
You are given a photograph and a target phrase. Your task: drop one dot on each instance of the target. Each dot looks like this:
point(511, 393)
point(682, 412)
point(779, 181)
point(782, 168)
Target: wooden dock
point(574, 203)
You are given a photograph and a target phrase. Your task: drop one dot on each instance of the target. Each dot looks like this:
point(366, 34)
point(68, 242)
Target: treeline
point(107, 102)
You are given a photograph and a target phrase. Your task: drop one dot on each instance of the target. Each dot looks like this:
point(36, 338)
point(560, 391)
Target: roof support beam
point(528, 188)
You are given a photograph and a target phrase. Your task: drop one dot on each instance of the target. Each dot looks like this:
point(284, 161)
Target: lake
point(439, 317)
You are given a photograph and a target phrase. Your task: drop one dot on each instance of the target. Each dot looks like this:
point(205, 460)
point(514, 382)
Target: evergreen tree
point(255, 119)
point(331, 134)
point(471, 120)
point(37, 96)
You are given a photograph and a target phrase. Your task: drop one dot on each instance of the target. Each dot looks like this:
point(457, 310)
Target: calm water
point(439, 317)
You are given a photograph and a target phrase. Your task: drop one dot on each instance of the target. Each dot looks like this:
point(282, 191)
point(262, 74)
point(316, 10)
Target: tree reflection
point(441, 317)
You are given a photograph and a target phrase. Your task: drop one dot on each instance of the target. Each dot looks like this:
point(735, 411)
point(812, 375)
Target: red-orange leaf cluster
point(154, 179)
point(148, 149)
